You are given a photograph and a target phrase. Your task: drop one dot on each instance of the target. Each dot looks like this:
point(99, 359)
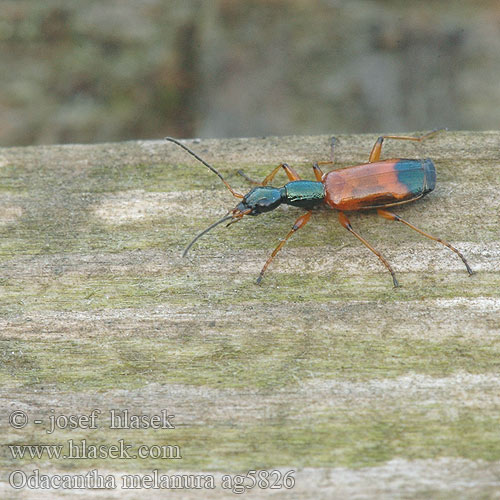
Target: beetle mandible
point(375, 185)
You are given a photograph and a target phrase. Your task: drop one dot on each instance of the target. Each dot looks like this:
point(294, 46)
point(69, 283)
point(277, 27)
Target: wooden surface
point(364, 390)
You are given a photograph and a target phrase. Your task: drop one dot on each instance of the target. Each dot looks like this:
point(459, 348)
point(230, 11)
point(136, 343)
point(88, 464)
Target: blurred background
point(96, 71)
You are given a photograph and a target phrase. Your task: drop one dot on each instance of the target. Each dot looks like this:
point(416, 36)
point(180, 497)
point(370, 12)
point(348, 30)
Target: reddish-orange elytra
point(375, 185)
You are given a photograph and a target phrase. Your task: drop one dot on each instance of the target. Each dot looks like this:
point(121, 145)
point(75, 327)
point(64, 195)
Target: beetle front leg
point(249, 179)
point(289, 171)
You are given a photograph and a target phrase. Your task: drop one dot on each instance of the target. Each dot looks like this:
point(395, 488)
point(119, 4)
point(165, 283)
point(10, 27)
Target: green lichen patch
point(258, 360)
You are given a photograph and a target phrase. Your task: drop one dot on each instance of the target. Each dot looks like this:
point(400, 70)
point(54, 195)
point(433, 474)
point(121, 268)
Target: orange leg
point(249, 179)
point(389, 215)
point(299, 223)
point(345, 222)
point(317, 171)
point(377, 147)
point(289, 171)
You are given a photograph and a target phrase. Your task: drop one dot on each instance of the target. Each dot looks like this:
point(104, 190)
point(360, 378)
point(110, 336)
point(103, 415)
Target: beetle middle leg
point(389, 215)
point(317, 171)
point(345, 222)
point(299, 223)
point(377, 147)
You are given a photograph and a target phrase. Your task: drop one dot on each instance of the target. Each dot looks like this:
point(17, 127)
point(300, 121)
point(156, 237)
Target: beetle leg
point(333, 143)
point(250, 180)
point(317, 171)
point(289, 171)
point(377, 147)
point(345, 222)
point(389, 215)
point(299, 223)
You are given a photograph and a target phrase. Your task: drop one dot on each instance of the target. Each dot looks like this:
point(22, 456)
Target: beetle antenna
point(192, 153)
point(205, 231)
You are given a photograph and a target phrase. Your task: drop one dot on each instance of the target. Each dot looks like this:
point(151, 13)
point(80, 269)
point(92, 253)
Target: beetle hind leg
point(389, 215)
point(345, 222)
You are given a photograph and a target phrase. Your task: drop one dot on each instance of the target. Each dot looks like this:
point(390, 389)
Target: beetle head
point(259, 200)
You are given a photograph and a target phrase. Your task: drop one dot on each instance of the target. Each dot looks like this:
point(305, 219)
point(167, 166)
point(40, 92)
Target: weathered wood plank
point(324, 368)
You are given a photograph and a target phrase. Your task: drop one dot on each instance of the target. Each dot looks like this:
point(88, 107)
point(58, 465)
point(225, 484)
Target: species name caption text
point(93, 479)
point(119, 419)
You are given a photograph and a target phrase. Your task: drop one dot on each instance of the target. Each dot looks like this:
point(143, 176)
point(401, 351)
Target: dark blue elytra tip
point(419, 176)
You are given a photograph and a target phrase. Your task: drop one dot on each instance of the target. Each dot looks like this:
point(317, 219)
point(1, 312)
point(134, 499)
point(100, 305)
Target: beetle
point(375, 185)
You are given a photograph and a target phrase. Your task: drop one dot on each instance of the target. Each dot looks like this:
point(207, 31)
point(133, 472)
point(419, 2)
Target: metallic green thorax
point(260, 199)
point(305, 194)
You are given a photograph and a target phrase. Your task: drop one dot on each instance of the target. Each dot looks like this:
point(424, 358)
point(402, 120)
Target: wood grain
point(365, 390)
